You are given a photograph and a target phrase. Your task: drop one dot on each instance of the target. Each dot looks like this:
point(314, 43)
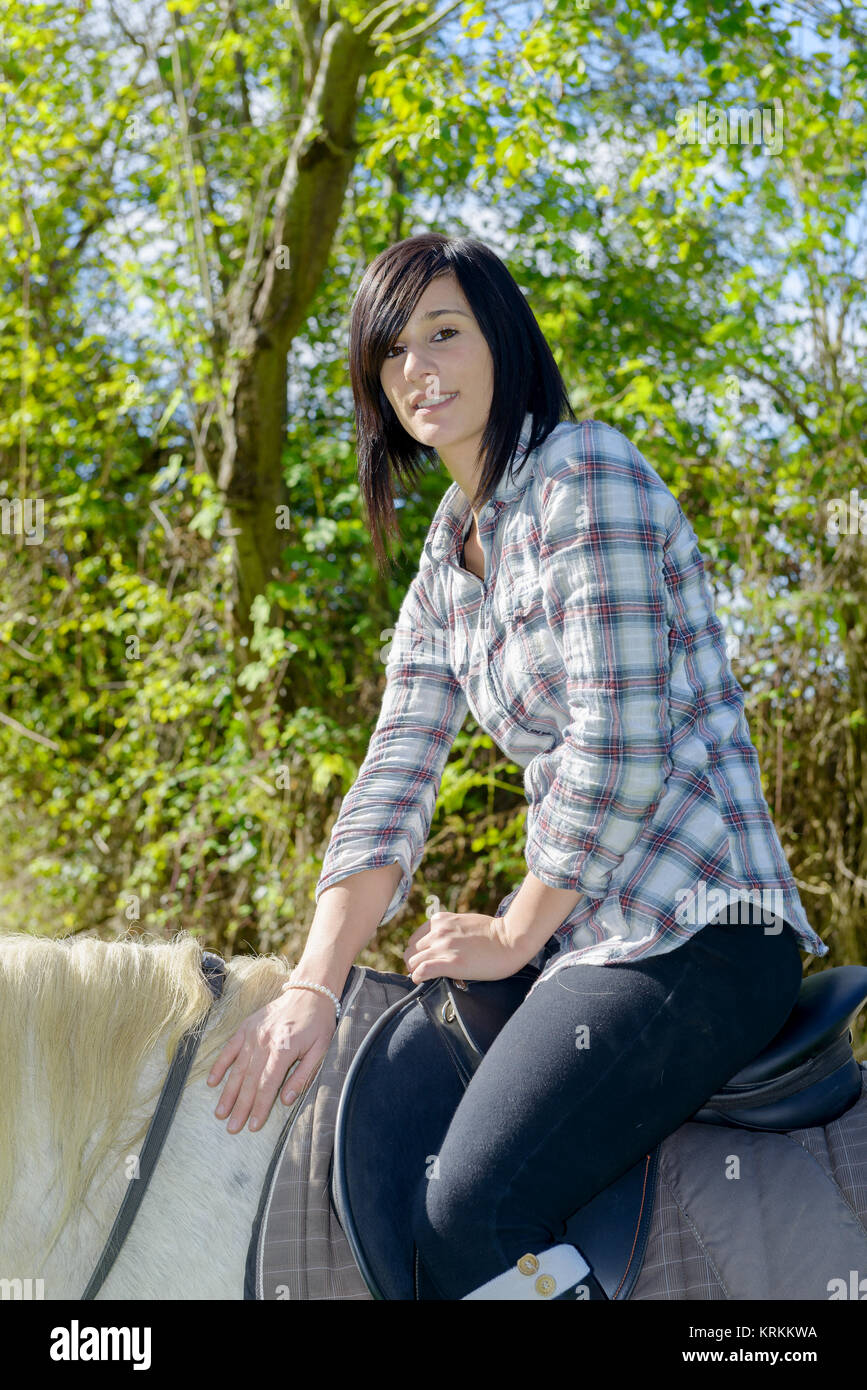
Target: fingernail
point(290, 1096)
point(221, 1111)
point(254, 1124)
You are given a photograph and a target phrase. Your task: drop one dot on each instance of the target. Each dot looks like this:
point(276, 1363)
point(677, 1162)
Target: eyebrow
point(434, 313)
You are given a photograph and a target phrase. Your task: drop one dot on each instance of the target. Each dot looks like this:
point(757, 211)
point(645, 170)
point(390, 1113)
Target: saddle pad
point(298, 1249)
point(793, 1221)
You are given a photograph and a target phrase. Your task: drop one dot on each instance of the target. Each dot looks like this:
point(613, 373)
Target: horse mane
point(79, 1019)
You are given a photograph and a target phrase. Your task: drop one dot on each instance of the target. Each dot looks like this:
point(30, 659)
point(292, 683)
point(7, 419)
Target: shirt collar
point(447, 542)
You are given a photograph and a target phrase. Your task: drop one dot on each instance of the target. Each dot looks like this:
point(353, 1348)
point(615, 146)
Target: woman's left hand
point(463, 946)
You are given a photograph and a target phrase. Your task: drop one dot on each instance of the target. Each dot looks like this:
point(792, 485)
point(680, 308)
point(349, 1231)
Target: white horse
point(87, 1031)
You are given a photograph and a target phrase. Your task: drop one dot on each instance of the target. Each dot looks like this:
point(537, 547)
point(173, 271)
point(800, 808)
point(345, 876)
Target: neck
point(462, 465)
point(467, 486)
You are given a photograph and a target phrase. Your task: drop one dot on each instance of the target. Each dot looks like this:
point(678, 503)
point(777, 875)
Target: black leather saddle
point(408, 1076)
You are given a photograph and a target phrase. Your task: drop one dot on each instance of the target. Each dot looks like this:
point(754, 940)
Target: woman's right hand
point(295, 1027)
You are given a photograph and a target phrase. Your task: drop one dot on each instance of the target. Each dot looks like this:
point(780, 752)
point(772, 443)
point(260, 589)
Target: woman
point(561, 597)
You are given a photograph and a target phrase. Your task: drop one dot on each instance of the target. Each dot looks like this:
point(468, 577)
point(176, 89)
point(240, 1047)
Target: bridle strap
point(214, 971)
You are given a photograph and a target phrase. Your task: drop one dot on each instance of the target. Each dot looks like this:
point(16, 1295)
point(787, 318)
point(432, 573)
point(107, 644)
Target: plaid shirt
point(592, 656)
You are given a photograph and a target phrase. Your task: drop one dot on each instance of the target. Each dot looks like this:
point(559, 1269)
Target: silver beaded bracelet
point(320, 989)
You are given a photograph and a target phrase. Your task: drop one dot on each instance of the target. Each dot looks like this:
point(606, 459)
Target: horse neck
point(190, 1236)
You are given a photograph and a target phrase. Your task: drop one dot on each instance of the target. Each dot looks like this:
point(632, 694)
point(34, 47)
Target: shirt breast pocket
point(530, 645)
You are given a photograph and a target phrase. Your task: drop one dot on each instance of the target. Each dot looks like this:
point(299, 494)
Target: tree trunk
point(270, 302)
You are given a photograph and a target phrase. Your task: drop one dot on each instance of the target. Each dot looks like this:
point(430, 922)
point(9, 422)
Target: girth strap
point(214, 971)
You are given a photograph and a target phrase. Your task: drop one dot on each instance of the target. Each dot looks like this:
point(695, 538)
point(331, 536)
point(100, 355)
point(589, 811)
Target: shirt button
point(545, 1285)
point(528, 1264)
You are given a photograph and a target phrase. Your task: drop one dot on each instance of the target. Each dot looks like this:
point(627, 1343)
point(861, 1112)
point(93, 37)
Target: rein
point(214, 971)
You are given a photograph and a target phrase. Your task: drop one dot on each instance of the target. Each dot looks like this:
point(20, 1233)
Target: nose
point(418, 369)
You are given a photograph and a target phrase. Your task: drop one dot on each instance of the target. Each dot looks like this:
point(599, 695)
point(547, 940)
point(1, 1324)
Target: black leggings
point(588, 1075)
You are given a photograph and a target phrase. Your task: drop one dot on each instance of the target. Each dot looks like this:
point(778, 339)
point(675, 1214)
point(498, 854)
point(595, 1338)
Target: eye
point(438, 331)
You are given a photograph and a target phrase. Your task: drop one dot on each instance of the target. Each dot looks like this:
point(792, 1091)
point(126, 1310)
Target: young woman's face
point(441, 354)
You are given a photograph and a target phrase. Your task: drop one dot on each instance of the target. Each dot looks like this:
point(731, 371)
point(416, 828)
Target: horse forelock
point(80, 1019)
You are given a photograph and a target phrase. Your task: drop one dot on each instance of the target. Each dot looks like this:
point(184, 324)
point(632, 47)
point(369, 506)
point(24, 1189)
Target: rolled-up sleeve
point(602, 568)
point(386, 815)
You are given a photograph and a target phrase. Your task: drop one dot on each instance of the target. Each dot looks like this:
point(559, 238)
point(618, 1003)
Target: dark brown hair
point(526, 377)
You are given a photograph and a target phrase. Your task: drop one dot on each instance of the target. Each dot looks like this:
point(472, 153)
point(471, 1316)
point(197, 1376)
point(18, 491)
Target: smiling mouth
point(434, 402)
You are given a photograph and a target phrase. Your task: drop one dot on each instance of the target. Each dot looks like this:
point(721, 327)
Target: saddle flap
point(395, 1106)
point(613, 1228)
point(397, 1102)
